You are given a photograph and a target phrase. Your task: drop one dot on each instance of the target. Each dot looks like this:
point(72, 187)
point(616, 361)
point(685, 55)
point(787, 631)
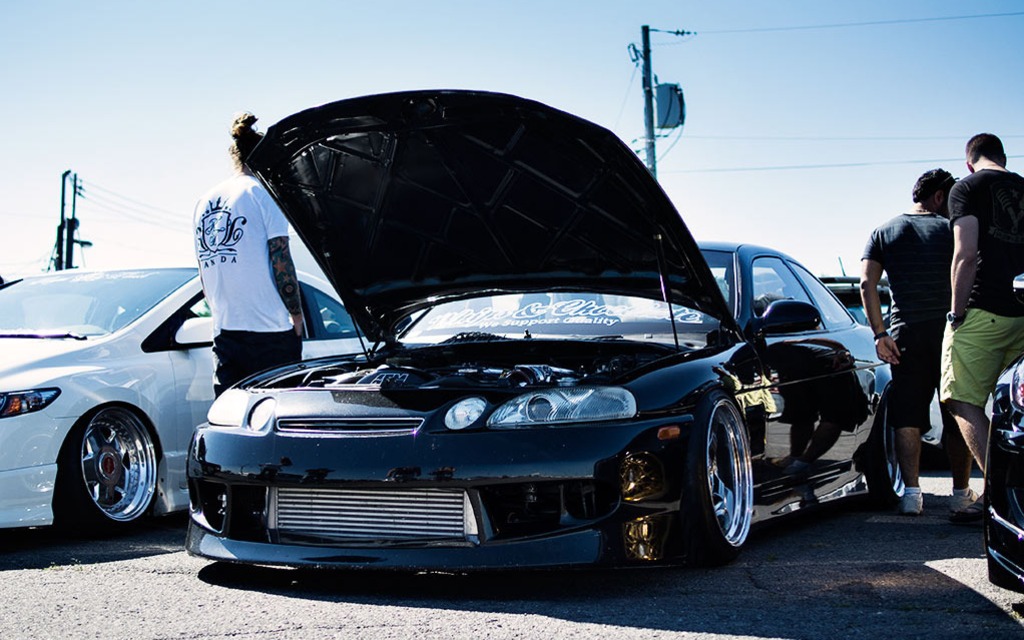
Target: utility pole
point(58, 262)
point(645, 32)
point(648, 84)
point(72, 225)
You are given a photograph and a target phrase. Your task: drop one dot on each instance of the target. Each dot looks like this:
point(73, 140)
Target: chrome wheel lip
point(892, 465)
point(118, 464)
point(730, 479)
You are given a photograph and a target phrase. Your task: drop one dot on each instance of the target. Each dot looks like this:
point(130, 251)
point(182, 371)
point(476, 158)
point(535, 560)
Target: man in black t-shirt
point(985, 324)
point(915, 250)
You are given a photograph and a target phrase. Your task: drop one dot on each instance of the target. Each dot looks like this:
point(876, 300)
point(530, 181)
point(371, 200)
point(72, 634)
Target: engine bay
point(494, 365)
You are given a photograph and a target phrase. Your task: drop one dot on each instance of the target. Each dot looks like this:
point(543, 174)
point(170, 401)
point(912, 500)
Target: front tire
point(718, 501)
point(106, 473)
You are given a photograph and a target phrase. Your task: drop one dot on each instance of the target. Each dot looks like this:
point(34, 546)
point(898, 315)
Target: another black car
point(558, 374)
point(1004, 476)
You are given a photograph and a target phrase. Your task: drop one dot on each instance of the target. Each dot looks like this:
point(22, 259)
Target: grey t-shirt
point(915, 250)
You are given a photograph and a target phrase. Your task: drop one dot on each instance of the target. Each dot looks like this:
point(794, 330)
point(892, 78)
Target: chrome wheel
point(730, 479)
point(118, 464)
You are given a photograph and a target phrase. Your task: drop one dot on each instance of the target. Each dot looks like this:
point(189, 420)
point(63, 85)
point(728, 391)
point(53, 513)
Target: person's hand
point(297, 323)
point(887, 350)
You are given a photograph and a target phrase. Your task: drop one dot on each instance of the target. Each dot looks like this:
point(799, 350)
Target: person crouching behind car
point(247, 271)
point(915, 250)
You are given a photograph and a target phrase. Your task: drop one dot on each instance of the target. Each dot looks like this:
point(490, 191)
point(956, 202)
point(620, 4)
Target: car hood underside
point(407, 199)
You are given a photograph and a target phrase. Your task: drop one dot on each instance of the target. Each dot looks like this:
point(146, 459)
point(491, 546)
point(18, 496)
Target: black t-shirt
point(915, 250)
point(996, 199)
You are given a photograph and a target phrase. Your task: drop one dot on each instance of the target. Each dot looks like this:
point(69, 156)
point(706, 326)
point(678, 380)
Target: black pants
point(916, 378)
point(238, 354)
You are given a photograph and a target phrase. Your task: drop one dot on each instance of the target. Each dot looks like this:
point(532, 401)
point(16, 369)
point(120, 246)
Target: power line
point(838, 165)
point(841, 138)
point(844, 25)
point(93, 185)
point(139, 215)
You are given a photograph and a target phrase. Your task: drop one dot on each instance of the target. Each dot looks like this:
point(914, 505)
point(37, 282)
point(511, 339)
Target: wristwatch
point(952, 318)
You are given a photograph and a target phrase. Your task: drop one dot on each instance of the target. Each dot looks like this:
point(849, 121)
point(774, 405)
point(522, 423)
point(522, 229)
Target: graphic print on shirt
point(218, 233)
point(1008, 212)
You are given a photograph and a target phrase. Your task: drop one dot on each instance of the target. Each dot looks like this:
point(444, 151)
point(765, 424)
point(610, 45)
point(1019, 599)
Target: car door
point(820, 400)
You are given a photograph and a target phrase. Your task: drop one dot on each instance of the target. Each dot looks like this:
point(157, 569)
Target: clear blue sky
point(800, 134)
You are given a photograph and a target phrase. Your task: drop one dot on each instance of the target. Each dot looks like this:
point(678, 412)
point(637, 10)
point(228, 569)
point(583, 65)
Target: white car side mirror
point(195, 332)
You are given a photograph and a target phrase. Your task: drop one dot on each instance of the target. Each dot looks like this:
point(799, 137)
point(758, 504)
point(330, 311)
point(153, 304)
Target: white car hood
point(24, 359)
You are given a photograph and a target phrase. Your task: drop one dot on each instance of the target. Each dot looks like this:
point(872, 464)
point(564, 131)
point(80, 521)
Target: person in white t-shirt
point(247, 270)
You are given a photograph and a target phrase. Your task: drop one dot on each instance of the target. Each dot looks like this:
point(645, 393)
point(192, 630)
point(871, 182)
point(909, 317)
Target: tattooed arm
point(287, 281)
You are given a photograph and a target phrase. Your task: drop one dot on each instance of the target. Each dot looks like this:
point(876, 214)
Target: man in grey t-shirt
point(915, 250)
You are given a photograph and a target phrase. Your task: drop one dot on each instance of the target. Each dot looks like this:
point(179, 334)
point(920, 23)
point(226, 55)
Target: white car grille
point(373, 515)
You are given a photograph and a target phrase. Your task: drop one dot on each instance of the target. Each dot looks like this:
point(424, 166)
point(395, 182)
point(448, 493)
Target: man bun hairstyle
point(930, 182)
point(245, 136)
point(986, 145)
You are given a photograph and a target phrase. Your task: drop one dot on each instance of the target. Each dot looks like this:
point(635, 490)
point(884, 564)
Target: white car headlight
point(464, 413)
point(564, 405)
point(229, 409)
point(16, 403)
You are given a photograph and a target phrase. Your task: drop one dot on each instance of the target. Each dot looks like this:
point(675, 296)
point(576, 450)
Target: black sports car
point(1004, 476)
point(555, 373)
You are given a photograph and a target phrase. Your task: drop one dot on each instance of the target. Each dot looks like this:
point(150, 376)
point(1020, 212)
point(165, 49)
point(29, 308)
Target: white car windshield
point(71, 304)
point(562, 315)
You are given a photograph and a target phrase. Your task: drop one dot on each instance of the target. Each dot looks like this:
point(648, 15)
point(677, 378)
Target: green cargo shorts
point(976, 353)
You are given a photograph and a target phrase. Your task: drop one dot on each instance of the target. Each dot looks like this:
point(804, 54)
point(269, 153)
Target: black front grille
point(349, 427)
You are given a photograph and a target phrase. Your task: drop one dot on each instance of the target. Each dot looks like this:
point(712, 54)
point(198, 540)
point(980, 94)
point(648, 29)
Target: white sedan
point(103, 376)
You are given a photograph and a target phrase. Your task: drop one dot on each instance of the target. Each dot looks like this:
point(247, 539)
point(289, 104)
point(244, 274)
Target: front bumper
point(27, 496)
point(544, 498)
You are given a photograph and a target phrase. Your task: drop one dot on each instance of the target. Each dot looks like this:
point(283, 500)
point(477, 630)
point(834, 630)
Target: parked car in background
point(847, 289)
point(103, 376)
point(559, 375)
point(1004, 476)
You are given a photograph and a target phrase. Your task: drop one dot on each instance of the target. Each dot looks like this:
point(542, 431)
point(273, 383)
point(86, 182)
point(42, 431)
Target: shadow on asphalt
point(43, 547)
point(850, 573)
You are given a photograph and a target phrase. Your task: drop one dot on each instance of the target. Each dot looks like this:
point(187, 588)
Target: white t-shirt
point(233, 222)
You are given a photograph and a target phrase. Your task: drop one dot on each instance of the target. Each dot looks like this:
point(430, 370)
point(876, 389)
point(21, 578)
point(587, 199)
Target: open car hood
point(407, 199)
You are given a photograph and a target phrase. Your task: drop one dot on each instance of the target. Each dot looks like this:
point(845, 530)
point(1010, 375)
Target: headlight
point(262, 415)
point(16, 403)
point(464, 413)
point(562, 405)
point(1017, 386)
point(229, 409)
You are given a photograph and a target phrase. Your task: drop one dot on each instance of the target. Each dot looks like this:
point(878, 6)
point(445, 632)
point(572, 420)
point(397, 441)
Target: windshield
point(84, 304)
point(561, 315)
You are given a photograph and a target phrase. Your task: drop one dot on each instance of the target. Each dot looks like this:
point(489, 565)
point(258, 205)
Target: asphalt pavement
point(844, 573)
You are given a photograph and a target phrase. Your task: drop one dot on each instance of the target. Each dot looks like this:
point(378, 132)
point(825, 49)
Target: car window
point(833, 314)
point(86, 303)
point(773, 281)
point(200, 309)
point(721, 264)
point(326, 318)
point(576, 315)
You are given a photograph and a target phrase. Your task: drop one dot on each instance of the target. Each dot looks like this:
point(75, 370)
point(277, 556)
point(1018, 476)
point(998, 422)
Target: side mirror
point(194, 332)
point(787, 316)
point(1018, 288)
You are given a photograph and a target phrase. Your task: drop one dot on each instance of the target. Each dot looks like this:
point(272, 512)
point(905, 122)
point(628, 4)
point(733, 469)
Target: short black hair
point(930, 182)
point(987, 145)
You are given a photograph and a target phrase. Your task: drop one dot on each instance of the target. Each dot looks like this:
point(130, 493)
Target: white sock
point(962, 492)
point(911, 490)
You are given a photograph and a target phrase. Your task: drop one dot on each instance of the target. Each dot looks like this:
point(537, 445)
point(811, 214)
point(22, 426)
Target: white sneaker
point(912, 504)
point(959, 503)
